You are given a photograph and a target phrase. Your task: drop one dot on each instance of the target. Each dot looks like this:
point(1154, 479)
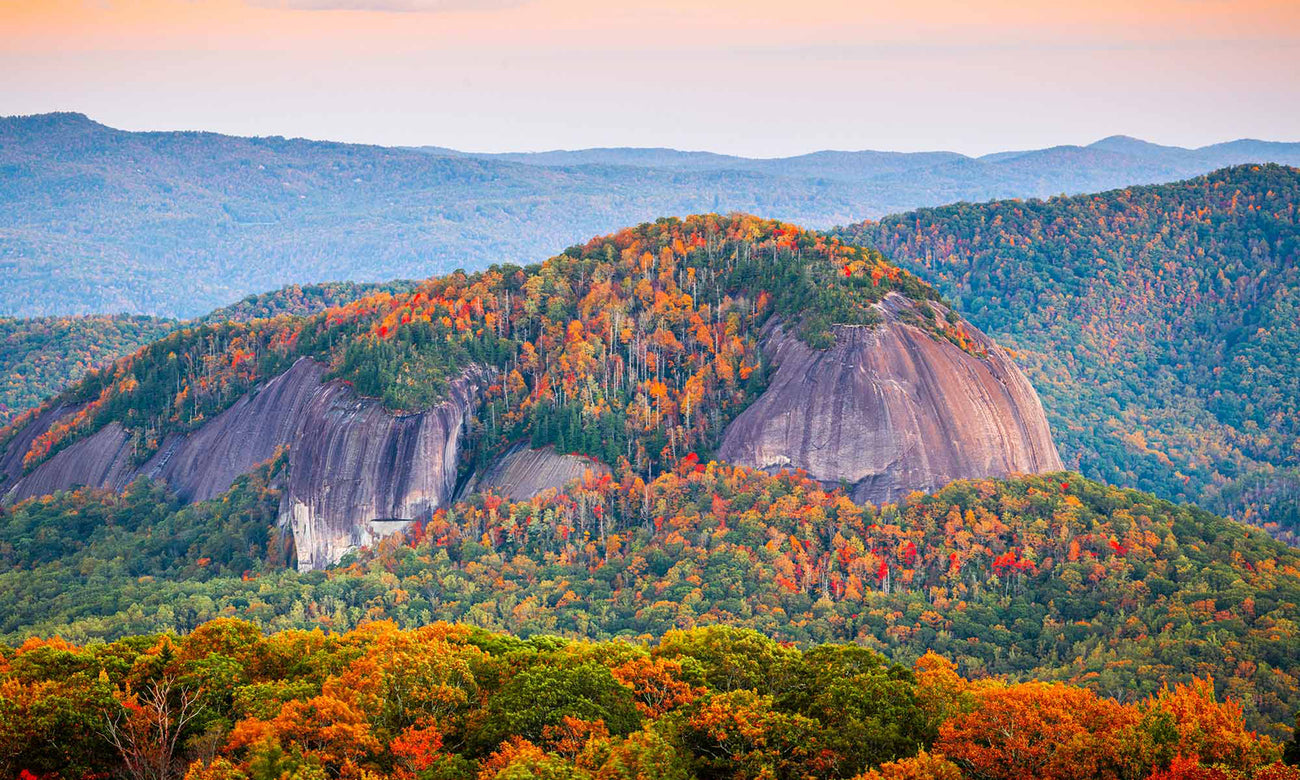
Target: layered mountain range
point(544, 450)
point(1209, 263)
point(175, 224)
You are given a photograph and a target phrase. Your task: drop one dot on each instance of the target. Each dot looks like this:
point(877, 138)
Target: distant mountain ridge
point(1115, 151)
point(98, 220)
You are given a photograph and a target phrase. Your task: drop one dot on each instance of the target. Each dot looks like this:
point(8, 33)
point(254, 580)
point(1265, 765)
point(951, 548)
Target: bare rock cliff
point(891, 409)
point(354, 468)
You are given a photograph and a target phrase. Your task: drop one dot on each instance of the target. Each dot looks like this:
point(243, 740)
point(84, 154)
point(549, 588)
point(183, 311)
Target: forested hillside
point(1160, 325)
point(1049, 578)
point(40, 356)
point(635, 348)
point(451, 702)
point(174, 224)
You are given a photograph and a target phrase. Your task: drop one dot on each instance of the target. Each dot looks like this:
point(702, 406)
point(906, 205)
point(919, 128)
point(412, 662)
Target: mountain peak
point(1127, 143)
point(49, 122)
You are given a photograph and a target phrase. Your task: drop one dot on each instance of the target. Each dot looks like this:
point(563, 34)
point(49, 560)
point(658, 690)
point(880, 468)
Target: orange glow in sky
point(750, 77)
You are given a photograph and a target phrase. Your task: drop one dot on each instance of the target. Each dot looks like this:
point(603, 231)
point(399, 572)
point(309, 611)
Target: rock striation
point(354, 468)
point(522, 472)
point(890, 409)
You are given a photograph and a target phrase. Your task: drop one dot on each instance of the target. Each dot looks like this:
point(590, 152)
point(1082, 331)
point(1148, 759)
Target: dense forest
point(174, 224)
point(41, 356)
point(1159, 324)
point(448, 702)
point(1048, 578)
point(635, 348)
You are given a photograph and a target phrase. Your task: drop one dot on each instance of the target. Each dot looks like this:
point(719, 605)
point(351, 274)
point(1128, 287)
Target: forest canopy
point(455, 702)
point(1052, 577)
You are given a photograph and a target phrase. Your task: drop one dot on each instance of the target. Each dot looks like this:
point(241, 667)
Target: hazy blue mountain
point(98, 220)
point(629, 156)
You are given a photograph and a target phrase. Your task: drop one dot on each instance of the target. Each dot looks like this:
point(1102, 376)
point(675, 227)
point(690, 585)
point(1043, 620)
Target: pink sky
point(749, 77)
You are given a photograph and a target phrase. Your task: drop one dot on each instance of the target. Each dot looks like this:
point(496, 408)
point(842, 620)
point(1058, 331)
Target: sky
point(750, 77)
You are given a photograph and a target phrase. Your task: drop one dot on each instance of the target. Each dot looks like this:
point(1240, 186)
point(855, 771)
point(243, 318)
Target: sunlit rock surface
point(891, 409)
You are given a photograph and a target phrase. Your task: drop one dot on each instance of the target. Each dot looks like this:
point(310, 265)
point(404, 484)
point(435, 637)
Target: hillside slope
point(173, 224)
point(40, 356)
point(1160, 325)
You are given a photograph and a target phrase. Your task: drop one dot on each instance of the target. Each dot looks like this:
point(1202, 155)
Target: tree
point(728, 658)
point(1207, 729)
point(645, 755)
point(1036, 731)
point(1291, 751)
point(148, 725)
point(738, 734)
point(922, 766)
point(544, 695)
point(867, 707)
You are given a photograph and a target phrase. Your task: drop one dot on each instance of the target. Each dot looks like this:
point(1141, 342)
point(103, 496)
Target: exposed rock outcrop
point(522, 472)
point(11, 454)
point(354, 468)
point(891, 409)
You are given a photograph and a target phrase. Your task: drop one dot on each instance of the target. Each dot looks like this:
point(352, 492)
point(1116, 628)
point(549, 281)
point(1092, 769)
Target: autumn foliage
point(451, 701)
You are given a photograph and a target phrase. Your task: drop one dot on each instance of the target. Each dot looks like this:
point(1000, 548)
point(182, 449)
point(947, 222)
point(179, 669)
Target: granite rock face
point(522, 472)
point(356, 471)
point(890, 409)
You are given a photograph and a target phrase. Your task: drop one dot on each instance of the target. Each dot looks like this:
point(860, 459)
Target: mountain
point(174, 224)
point(632, 350)
point(1159, 324)
point(1071, 168)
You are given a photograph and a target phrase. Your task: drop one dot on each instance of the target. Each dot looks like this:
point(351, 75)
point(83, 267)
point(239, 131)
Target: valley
point(723, 430)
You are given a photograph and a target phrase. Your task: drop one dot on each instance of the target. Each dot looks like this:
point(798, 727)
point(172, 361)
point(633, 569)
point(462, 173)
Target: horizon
point(755, 80)
point(718, 152)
